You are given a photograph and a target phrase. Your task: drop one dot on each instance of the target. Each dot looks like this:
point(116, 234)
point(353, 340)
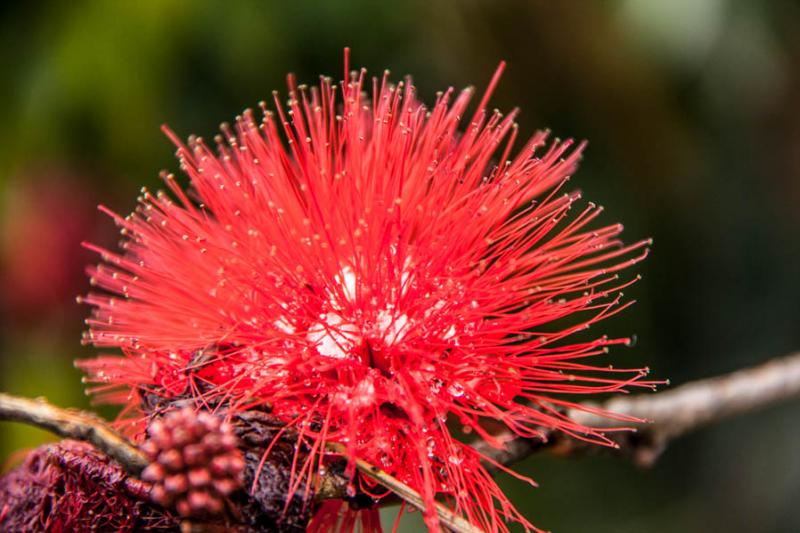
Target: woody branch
point(74, 424)
point(667, 415)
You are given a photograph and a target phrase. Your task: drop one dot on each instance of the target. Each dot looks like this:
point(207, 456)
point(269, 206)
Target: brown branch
point(74, 424)
point(667, 415)
point(448, 518)
point(80, 425)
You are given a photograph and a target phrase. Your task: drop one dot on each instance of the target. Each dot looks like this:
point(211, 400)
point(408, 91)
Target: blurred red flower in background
point(378, 278)
point(47, 213)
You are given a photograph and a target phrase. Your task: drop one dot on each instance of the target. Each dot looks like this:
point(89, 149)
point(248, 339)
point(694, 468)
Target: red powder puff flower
point(381, 275)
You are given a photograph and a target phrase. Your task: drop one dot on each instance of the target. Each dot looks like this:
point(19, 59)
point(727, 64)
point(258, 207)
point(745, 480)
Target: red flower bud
point(201, 466)
point(154, 472)
point(195, 454)
point(199, 477)
point(171, 459)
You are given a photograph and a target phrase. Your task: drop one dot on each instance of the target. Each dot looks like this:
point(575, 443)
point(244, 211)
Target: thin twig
point(451, 520)
point(75, 424)
point(85, 426)
point(667, 415)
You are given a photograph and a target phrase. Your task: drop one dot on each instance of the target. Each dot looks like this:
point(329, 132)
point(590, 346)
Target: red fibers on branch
point(70, 486)
point(380, 274)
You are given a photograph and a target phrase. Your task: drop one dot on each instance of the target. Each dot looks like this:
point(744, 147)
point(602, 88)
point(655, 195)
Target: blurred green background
point(691, 110)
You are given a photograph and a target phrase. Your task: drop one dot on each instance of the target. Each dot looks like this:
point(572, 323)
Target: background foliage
point(691, 110)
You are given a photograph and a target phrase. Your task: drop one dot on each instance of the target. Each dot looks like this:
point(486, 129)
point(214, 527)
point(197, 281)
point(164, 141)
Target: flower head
point(382, 275)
